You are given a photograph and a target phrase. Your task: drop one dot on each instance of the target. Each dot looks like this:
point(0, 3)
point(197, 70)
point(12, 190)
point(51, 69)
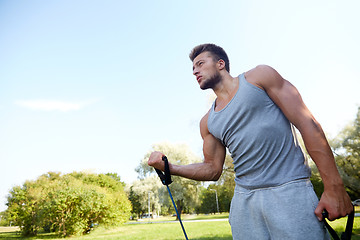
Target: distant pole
point(217, 201)
point(149, 204)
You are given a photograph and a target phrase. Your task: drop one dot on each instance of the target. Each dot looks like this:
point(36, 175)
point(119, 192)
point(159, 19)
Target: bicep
point(289, 100)
point(213, 150)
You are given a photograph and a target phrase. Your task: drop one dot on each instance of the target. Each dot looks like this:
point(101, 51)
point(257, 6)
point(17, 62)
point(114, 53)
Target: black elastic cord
point(348, 230)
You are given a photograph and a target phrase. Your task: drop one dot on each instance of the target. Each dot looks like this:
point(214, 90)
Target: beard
point(211, 82)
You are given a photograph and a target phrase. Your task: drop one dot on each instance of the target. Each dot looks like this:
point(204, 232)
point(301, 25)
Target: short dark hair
point(216, 51)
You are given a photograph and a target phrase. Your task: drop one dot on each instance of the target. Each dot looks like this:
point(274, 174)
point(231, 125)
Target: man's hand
point(336, 202)
point(155, 160)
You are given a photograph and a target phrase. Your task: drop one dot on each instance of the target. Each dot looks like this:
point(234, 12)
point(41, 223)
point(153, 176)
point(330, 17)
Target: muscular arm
point(334, 199)
point(209, 170)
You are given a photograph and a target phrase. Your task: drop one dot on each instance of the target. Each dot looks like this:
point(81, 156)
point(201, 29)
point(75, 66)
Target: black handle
point(165, 178)
point(348, 230)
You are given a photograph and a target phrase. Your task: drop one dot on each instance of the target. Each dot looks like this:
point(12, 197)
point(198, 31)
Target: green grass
point(195, 230)
point(339, 227)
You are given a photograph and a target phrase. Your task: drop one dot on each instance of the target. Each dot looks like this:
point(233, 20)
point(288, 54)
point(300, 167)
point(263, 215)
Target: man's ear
point(221, 64)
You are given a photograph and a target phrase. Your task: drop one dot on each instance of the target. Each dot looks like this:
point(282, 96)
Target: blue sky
point(92, 85)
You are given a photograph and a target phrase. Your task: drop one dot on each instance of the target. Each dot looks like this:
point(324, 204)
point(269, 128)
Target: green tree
point(68, 204)
point(347, 154)
point(208, 200)
point(134, 198)
point(145, 190)
point(116, 177)
point(4, 219)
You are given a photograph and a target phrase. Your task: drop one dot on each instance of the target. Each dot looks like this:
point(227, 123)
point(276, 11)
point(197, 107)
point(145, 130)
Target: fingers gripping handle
point(348, 230)
point(165, 178)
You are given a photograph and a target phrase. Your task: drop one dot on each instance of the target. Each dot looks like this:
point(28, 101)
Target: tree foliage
point(68, 204)
point(347, 149)
point(4, 219)
point(146, 190)
point(207, 200)
point(135, 199)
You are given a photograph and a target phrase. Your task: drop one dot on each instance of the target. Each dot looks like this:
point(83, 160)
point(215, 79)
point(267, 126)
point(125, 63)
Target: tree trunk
point(179, 208)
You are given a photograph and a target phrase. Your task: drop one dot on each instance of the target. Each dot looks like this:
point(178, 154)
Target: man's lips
point(198, 78)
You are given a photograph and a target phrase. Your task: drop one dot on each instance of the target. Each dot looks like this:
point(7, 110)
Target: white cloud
point(51, 105)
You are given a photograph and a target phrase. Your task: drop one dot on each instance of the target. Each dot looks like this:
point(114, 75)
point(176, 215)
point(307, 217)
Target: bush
point(4, 219)
point(68, 204)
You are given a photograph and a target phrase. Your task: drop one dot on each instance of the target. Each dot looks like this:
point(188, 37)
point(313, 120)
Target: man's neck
point(225, 90)
point(226, 87)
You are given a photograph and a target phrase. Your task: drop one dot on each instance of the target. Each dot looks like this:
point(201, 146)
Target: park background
point(93, 85)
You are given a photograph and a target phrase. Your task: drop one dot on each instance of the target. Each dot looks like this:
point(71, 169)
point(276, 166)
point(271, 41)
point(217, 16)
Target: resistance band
point(166, 180)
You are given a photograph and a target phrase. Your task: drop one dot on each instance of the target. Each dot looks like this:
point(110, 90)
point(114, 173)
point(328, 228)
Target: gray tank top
point(259, 138)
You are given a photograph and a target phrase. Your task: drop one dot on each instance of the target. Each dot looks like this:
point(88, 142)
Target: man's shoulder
point(203, 124)
point(205, 118)
point(262, 75)
point(260, 71)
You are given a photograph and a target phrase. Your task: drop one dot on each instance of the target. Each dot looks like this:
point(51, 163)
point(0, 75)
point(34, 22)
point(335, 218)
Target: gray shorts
point(281, 212)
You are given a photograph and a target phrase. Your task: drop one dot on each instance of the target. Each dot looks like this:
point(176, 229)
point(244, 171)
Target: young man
point(252, 116)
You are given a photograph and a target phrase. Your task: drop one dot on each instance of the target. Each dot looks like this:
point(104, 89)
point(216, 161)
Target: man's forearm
point(197, 171)
point(209, 170)
point(320, 152)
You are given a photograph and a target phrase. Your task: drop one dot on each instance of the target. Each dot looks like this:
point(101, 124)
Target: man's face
point(205, 70)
